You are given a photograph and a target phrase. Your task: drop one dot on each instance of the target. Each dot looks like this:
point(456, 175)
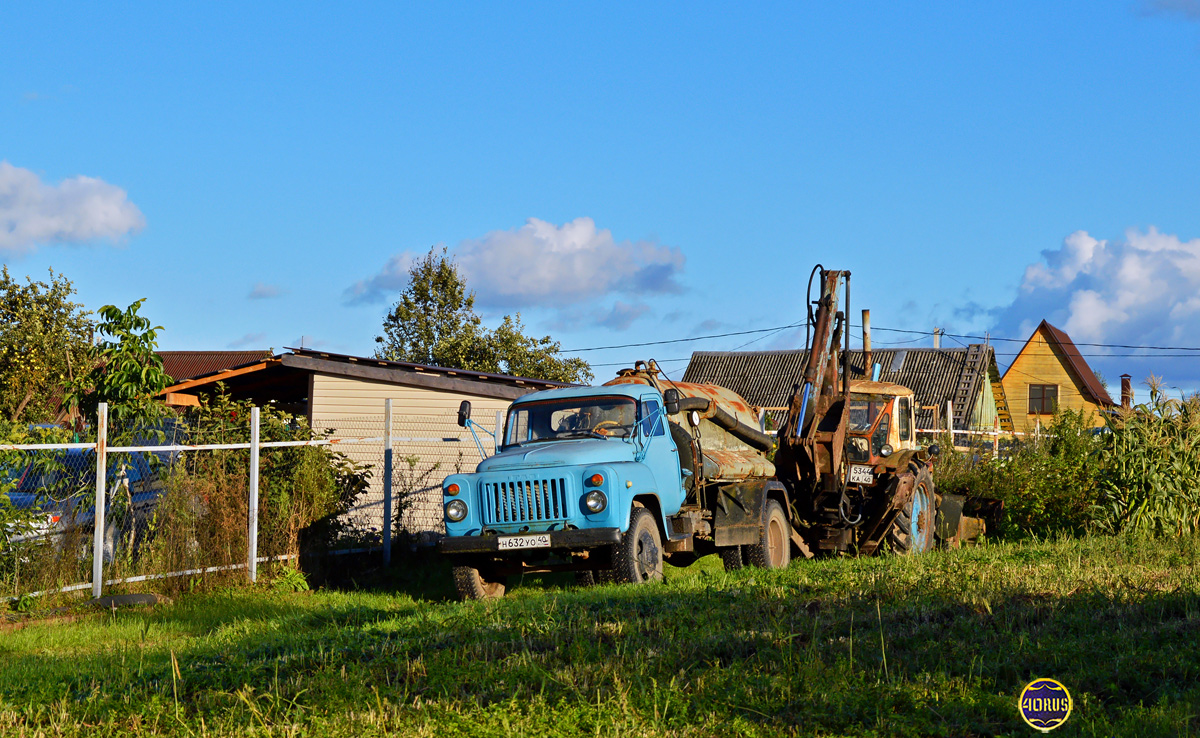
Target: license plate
point(861, 475)
point(509, 543)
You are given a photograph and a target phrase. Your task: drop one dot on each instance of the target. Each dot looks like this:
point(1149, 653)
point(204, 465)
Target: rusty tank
point(717, 431)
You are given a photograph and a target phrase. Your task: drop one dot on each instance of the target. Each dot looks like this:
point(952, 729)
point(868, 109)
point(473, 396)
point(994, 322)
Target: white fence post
point(387, 482)
point(252, 562)
point(101, 483)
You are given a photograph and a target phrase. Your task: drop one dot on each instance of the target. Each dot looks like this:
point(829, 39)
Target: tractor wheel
point(774, 549)
point(639, 555)
point(472, 586)
point(912, 531)
point(733, 557)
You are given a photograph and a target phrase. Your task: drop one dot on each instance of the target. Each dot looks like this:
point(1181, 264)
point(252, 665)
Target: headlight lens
point(456, 510)
point(452, 490)
point(886, 450)
point(595, 501)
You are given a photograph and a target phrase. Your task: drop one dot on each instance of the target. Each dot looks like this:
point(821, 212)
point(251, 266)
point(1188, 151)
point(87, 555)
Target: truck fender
point(738, 510)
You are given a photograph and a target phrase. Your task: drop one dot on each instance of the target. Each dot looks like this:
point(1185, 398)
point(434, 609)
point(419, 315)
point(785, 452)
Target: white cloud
point(1189, 9)
point(1139, 290)
point(75, 210)
point(256, 340)
point(262, 291)
point(542, 264)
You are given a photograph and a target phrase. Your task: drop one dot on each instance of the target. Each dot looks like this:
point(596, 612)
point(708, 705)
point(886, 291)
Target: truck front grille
point(524, 501)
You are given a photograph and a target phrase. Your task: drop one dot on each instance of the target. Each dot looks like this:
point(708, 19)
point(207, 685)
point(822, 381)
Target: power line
point(777, 329)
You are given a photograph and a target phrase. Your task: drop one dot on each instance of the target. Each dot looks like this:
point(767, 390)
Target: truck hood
point(576, 451)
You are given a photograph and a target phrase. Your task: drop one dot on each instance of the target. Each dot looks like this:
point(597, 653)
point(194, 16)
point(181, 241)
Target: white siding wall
point(428, 443)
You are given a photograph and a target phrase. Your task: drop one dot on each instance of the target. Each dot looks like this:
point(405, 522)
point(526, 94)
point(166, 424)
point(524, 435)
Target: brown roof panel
point(181, 365)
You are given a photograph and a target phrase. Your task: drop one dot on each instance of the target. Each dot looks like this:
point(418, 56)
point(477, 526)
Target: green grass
point(934, 645)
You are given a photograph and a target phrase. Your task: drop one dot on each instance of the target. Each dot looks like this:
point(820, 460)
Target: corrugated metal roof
point(181, 365)
point(766, 378)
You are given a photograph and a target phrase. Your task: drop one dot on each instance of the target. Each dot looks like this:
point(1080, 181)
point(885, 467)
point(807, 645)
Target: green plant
point(25, 604)
point(1048, 484)
point(126, 372)
point(1150, 479)
point(290, 579)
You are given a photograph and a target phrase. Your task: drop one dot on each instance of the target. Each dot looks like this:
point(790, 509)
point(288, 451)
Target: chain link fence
point(195, 499)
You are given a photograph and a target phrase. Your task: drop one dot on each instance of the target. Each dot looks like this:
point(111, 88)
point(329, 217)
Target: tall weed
point(1150, 471)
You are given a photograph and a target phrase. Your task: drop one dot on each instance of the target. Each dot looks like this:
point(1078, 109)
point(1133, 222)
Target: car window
point(652, 421)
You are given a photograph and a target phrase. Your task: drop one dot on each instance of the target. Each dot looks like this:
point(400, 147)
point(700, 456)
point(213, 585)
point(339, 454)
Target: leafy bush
point(1048, 484)
point(1150, 473)
point(201, 520)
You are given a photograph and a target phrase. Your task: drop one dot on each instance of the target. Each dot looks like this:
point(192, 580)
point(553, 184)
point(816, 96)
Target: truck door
point(661, 457)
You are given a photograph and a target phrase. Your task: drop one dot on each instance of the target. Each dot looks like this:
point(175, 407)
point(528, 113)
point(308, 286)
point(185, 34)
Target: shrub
point(1048, 484)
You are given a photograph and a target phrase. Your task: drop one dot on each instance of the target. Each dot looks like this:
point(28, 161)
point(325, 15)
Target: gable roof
point(1076, 363)
point(766, 378)
point(182, 365)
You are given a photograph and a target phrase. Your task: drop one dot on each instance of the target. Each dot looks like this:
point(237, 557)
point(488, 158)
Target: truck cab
point(584, 479)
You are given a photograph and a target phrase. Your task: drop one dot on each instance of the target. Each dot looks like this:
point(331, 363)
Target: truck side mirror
point(464, 413)
point(671, 399)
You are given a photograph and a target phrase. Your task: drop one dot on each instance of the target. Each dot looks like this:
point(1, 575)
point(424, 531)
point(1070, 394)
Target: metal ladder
point(968, 382)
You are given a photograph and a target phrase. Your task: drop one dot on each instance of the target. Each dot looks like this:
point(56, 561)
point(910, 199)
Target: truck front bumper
point(582, 538)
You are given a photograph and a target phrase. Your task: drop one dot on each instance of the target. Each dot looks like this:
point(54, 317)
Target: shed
point(345, 395)
point(181, 365)
point(967, 377)
point(1049, 373)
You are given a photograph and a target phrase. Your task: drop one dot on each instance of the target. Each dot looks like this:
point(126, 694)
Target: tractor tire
point(639, 555)
point(913, 530)
point(774, 549)
point(733, 557)
point(471, 585)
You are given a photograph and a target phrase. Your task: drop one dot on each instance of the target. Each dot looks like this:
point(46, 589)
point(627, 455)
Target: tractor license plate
point(861, 475)
point(510, 543)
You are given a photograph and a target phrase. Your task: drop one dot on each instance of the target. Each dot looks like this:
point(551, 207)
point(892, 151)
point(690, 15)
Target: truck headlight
point(595, 501)
point(456, 510)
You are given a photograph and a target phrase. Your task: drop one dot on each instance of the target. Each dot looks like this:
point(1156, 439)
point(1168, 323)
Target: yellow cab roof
point(866, 387)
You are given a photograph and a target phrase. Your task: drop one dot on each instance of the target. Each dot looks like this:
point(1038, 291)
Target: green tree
point(126, 371)
point(44, 343)
point(434, 322)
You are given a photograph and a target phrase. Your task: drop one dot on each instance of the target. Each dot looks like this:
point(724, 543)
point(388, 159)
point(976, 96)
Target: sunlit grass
point(800, 651)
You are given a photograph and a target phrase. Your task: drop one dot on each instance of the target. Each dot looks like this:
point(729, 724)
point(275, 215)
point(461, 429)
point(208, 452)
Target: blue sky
point(618, 173)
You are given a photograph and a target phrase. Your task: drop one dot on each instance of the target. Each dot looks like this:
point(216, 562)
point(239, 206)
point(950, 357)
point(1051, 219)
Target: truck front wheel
point(472, 586)
point(639, 555)
point(774, 549)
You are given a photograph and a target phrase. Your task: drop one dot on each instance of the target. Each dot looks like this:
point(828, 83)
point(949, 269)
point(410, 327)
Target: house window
point(1043, 399)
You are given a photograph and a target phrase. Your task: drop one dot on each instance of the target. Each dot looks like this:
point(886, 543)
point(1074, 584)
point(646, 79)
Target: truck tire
point(912, 531)
point(472, 586)
point(639, 555)
point(774, 549)
point(733, 557)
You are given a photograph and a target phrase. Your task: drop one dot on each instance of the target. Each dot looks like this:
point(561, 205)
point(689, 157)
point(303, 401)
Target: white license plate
point(861, 475)
point(508, 543)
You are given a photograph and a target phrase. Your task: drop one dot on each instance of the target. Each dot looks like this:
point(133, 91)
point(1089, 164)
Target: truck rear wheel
point(774, 549)
point(733, 557)
point(912, 531)
point(639, 556)
point(472, 586)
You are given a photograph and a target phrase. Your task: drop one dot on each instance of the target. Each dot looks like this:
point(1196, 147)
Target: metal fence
point(164, 504)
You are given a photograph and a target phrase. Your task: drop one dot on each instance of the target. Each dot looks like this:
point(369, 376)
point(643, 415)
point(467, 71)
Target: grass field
point(934, 645)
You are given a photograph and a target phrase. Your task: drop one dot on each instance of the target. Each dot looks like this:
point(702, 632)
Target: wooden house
point(1049, 373)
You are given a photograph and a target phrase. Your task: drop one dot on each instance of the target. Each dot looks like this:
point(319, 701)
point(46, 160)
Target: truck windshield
point(864, 409)
point(577, 417)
